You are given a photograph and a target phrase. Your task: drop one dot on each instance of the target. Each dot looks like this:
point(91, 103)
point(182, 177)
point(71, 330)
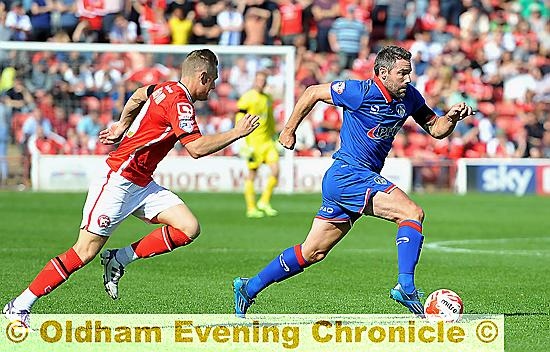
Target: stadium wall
point(210, 174)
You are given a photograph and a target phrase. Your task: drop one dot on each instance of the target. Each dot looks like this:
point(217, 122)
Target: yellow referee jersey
point(261, 104)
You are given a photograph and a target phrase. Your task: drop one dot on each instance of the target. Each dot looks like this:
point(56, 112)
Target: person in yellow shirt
point(180, 26)
point(259, 147)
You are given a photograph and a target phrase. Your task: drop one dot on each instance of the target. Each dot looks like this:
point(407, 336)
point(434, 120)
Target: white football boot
point(112, 272)
point(16, 315)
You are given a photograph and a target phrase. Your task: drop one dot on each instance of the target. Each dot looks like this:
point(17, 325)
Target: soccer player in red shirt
point(152, 121)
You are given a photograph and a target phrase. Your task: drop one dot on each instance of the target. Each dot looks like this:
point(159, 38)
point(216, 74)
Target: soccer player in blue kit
point(374, 111)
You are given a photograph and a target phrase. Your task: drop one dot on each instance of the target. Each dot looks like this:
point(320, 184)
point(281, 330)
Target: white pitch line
point(449, 246)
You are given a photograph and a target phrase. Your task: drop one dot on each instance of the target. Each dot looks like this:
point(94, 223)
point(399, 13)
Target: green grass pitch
point(500, 262)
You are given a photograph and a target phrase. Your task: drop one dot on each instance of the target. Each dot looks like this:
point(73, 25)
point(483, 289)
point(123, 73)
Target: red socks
point(159, 241)
point(55, 273)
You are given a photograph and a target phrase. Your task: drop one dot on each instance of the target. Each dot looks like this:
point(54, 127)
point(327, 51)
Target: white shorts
point(112, 198)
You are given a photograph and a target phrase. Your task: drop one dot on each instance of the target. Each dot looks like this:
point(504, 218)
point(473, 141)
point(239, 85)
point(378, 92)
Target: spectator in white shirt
point(18, 22)
point(487, 128)
point(230, 21)
point(123, 31)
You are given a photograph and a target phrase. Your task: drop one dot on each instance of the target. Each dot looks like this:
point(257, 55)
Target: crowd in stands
point(493, 54)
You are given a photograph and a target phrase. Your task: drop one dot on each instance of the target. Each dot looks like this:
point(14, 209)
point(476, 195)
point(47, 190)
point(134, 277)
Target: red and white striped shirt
point(167, 116)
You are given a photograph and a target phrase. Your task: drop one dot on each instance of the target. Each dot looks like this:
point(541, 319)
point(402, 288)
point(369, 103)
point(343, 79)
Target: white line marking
point(454, 246)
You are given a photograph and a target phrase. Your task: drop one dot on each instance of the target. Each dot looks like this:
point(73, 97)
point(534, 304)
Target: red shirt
point(147, 75)
point(291, 19)
point(48, 146)
point(167, 116)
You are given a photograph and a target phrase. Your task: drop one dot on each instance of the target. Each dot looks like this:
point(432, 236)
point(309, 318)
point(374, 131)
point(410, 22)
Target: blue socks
point(409, 243)
point(291, 262)
point(287, 264)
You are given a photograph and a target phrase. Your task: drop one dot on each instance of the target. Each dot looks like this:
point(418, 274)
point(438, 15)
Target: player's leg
point(54, 273)
point(322, 237)
point(397, 207)
point(100, 216)
point(179, 228)
point(272, 160)
point(249, 192)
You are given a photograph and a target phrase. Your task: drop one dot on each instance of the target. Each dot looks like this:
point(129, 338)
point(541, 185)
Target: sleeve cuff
point(187, 138)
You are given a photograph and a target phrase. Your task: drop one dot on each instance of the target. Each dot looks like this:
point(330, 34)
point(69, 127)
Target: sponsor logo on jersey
point(400, 110)
point(185, 111)
point(186, 126)
point(375, 109)
point(185, 116)
point(383, 132)
point(283, 264)
point(380, 180)
point(339, 87)
point(103, 221)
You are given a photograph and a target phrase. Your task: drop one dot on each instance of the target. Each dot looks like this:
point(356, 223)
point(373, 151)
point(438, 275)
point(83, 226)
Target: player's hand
point(112, 134)
point(247, 124)
point(287, 138)
point(459, 112)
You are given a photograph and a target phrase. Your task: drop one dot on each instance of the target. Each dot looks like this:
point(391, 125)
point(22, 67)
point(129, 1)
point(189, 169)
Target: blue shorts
point(347, 190)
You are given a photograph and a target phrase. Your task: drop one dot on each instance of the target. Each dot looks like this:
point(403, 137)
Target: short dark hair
point(202, 59)
point(387, 57)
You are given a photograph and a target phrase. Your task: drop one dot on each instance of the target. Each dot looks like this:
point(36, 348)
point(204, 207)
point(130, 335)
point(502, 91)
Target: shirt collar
point(186, 91)
point(383, 89)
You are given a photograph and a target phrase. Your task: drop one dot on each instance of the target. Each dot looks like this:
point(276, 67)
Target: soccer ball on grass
point(444, 305)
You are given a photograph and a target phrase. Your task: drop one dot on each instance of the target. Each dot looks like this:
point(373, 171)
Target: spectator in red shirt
point(147, 10)
point(292, 30)
point(42, 143)
point(90, 27)
point(151, 73)
point(60, 122)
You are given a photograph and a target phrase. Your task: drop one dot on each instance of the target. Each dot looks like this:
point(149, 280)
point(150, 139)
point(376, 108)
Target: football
point(444, 305)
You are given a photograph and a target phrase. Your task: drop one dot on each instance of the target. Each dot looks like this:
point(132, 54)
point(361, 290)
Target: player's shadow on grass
point(521, 314)
point(517, 314)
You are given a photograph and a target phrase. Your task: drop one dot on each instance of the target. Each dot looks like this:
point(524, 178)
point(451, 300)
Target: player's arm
point(441, 126)
point(131, 109)
point(312, 94)
point(206, 145)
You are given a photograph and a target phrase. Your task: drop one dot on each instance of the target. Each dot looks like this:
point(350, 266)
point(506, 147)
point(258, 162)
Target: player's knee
point(191, 229)
point(315, 256)
point(85, 253)
point(415, 212)
point(88, 246)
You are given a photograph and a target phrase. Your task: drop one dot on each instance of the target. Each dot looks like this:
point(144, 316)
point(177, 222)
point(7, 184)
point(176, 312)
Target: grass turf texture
point(355, 278)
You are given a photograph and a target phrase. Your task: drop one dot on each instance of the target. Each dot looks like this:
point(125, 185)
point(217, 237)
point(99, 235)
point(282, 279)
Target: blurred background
point(492, 54)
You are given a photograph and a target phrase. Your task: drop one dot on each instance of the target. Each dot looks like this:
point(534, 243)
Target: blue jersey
point(372, 118)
